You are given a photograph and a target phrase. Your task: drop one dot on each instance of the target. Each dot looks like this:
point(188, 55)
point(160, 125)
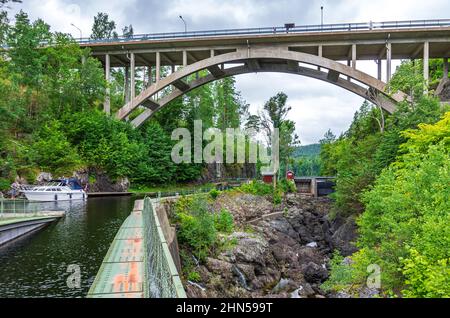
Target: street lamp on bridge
point(185, 26)
point(81, 33)
point(321, 17)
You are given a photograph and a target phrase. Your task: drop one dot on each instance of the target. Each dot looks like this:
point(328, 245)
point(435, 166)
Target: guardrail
point(161, 276)
point(13, 206)
point(337, 27)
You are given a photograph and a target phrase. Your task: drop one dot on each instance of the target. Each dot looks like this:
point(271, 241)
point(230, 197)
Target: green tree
point(52, 152)
point(103, 28)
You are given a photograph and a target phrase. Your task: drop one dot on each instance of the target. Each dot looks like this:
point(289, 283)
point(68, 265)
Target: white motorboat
point(57, 190)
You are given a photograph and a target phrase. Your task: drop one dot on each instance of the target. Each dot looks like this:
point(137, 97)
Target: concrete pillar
point(127, 84)
point(319, 54)
point(107, 103)
point(445, 67)
point(158, 67)
point(354, 56)
point(212, 53)
point(314, 187)
point(379, 69)
point(388, 61)
point(173, 68)
point(149, 75)
point(348, 64)
point(132, 76)
point(426, 57)
point(185, 59)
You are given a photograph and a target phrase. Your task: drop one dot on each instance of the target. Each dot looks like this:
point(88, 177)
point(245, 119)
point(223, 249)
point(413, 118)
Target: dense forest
point(306, 160)
point(393, 175)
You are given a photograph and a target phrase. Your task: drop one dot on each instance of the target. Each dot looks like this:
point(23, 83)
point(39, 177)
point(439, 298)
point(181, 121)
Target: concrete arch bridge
point(328, 53)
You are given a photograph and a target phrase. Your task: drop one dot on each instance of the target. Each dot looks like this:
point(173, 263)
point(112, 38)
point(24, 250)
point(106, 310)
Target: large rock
point(304, 291)
point(244, 207)
point(102, 182)
point(219, 267)
point(315, 273)
point(44, 177)
point(250, 248)
point(344, 236)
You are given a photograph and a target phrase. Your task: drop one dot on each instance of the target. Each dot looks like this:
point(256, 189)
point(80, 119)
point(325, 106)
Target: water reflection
point(36, 266)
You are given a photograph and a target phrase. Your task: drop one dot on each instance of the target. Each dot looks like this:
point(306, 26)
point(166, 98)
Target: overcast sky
point(316, 106)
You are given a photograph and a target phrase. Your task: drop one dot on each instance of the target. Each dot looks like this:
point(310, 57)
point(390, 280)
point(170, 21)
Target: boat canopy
point(72, 183)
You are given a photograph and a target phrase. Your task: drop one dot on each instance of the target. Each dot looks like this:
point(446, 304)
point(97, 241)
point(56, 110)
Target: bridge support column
point(426, 57)
point(158, 67)
point(107, 103)
point(379, 69)
point(348, 64)
point(184, 58)
point(354, 56)
point(319, 54)
point(132, 76)
point(388, 61)
point(127, 84)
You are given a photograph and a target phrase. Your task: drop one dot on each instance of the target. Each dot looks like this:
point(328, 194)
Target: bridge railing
point(161, 275)
point(337, 27)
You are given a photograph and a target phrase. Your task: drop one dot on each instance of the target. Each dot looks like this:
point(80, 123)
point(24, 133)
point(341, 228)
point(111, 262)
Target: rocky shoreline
point(283, 252)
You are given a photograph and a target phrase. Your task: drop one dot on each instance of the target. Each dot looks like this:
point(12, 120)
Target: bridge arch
point(267, 59)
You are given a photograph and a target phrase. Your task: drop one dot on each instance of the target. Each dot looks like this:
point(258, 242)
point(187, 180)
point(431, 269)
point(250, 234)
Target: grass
point(169, 188)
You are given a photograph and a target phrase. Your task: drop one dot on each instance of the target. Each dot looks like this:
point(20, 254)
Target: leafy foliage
point(404, 225)
point(198, 225)
point(224, 222)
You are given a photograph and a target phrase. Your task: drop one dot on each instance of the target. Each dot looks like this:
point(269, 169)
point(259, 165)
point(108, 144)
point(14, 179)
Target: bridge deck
point(121, 274)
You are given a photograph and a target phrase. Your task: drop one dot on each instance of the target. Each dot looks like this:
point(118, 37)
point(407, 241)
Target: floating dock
point(108, 194)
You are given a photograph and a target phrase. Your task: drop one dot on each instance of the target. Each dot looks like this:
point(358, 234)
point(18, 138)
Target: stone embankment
point(283, 251)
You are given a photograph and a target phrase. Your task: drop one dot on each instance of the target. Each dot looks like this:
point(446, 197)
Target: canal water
point(45, 264)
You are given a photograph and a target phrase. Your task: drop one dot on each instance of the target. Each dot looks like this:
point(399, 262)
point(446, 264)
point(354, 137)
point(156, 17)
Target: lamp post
point(321, 17)
point(185, 26)
point(81, 33)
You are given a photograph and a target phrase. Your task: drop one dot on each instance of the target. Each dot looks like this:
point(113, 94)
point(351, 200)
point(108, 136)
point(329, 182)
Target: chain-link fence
point(161, 275)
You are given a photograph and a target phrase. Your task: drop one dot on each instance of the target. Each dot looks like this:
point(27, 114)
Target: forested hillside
point(306, 160)
point(393, 173)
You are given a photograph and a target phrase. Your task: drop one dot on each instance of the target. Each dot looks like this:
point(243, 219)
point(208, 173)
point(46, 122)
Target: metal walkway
point(138, 263)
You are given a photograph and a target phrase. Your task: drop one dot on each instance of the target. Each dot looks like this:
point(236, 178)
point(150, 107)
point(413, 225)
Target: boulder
point(315, 273)
point(44, 177)
point(219, 267)
point(250, 248)
point(344, 236)
point(304, 291)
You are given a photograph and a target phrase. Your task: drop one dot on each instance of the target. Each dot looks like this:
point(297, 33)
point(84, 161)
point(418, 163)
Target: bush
point(5, 184)
point(194, 277)
point(277, 196)
point(425, 277)
point(214, 193)
point(287, 186)
point(257, 187)
point(197, 226)
point(224, 222)
point(341, 274)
